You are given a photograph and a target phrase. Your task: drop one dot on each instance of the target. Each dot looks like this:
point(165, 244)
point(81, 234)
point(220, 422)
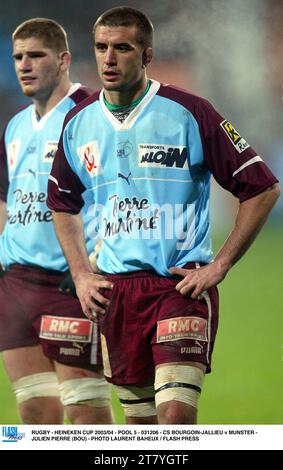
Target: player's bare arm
point(251, 216)
point(69, 228)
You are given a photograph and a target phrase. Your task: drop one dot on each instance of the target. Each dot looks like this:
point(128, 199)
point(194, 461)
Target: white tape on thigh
point(85, 391)
point(44, 384)
point(137, 401)
point(178, 382)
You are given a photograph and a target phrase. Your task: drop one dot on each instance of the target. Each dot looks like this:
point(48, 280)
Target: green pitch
point(247, 380)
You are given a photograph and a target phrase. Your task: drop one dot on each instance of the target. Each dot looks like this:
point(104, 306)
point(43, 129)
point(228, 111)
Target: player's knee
point(177, 390)
point(175, 412)
point(37, 396)
point(137, 402)
point(88, 391)
point(47, 410)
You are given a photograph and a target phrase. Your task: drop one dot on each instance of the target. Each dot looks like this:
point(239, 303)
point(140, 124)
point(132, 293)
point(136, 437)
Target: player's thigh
point(69, 372)
point(28, 360)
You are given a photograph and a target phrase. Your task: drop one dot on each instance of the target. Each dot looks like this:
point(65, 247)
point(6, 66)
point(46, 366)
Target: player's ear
point(146, 57)
point(64, 60)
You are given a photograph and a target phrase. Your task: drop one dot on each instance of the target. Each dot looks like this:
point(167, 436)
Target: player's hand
point(198, 280)
point(67, 286)
point(92, 301)
point(2, 270)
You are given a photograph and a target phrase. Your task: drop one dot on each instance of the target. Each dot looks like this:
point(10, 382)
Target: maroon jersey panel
point(4, 181)
point(233, 163)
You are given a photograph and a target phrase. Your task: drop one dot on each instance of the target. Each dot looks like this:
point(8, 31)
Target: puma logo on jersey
point(163, 156)
point(32, 172)
point(120, 175)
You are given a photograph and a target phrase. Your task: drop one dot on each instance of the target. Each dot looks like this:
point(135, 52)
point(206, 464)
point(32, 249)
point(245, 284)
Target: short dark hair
point(49, 31)
point(127, 16)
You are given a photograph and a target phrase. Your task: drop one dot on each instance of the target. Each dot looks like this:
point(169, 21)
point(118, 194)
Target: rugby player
point(147, 151)
point(51, 351)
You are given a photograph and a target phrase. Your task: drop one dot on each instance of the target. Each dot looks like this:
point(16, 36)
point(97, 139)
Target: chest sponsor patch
point(174, 329)
point(13, 150)
point(49, 151)
point(163, 156)
point(89, 158)
point(65, 329)
point(239, 143)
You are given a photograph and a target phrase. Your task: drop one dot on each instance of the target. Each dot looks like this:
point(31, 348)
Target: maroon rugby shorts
point(33, 311)
point(149, 323)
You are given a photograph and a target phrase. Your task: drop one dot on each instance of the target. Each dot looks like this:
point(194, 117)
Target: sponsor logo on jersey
point(13, 150)
point(31, 149)
point(49, 151)
point(239, 143)
point(163, 156)
point(124, 149)
point(65, 329)
point(89, 157)
point(174, 329)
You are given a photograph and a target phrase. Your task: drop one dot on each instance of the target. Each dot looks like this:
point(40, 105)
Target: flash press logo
point(11, 434)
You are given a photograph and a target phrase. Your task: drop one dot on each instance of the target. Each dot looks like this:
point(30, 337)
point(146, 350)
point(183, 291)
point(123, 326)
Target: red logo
point(89, 163)
point(177, 328)
point(65, 329)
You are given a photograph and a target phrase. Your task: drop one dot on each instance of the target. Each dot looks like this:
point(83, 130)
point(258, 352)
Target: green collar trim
point(115, 107)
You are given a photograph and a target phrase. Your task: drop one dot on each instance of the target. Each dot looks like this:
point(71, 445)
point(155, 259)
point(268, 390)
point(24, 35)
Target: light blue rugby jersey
point(150, 177)
point(29, 147)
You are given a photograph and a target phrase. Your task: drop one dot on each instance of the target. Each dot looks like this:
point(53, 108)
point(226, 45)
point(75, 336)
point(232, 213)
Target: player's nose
point(110, 56)
point(25, 63)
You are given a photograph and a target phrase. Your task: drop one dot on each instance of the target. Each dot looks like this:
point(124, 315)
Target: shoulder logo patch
point(239, 143)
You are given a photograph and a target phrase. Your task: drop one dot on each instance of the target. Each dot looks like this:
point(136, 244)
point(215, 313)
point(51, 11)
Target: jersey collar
point(131, 119)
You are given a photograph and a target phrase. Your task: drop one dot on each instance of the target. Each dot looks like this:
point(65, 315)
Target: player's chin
point(111, 86)
point(28, 91)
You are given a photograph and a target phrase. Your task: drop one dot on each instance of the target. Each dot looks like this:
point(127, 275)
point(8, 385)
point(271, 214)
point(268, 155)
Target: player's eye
point(123, 47)
point(35, 55)
point(100, 47)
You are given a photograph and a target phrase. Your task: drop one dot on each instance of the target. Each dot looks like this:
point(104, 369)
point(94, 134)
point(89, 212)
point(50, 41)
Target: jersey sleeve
point(233, 163)
point(64, 186)
point(4, 180)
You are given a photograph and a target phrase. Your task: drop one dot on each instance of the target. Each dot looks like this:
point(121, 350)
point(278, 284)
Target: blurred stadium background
point(231, 52)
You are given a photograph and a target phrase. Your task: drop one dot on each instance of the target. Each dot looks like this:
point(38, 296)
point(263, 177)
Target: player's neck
point(44, 104)
point(126, 97)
